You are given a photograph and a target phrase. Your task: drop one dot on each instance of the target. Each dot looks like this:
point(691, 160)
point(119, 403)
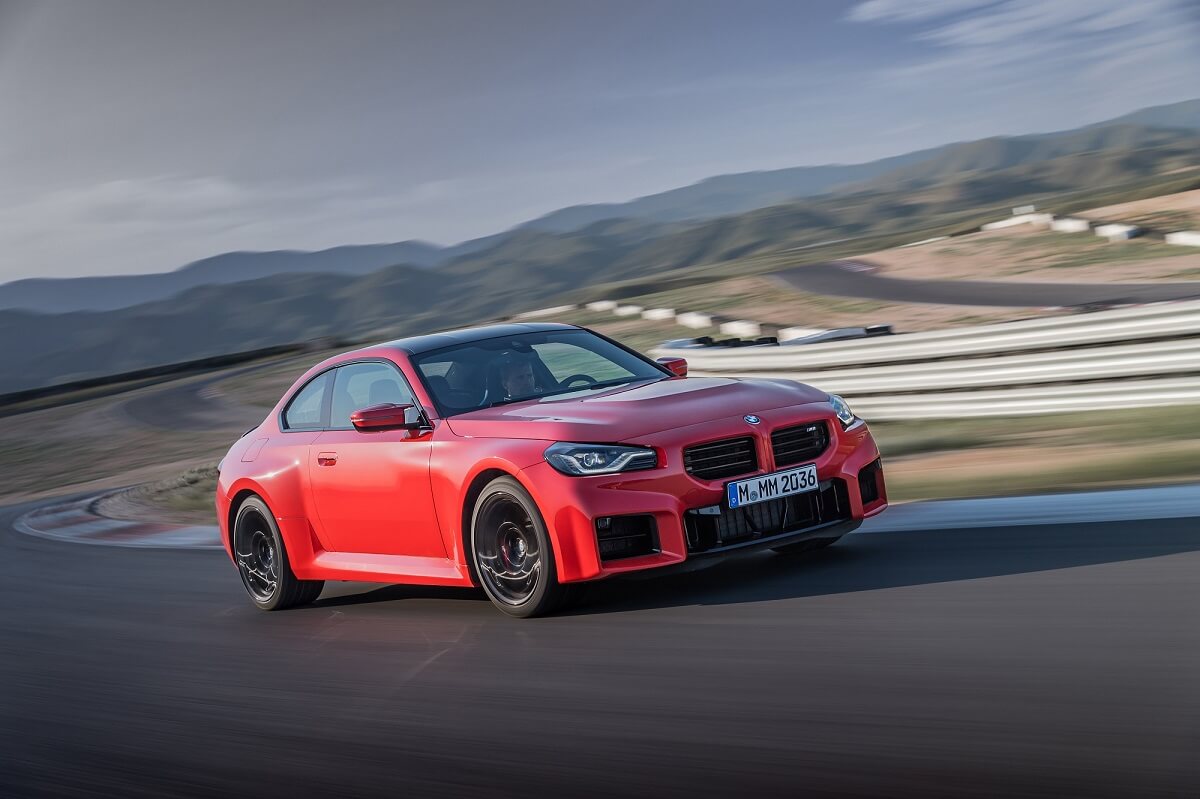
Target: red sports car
point(524, 458)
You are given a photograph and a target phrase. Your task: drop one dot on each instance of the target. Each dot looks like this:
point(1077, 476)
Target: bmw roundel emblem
point(751, 419)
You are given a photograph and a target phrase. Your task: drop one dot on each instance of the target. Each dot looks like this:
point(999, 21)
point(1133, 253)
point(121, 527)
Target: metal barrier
point(1128, 357)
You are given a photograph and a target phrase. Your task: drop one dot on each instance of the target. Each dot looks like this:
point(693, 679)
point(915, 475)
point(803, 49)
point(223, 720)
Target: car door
point(372, 488)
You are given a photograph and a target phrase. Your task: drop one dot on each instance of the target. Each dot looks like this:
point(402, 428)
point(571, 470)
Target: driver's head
point(516, 376)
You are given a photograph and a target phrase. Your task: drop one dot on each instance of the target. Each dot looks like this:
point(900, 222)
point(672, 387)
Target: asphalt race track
point(192, 405)
point(955, 661)
point(862, 280)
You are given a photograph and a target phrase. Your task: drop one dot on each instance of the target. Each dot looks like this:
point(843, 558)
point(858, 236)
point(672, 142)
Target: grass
point(1162, 220)
point(932, 459)
point(991, 457)
point(1053, 250)
point(1087, 470)
point(263, 387)
point(1144, 426)
point(191, 492)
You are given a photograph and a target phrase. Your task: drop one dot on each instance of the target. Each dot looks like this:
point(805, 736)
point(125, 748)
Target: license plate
point(772, 486)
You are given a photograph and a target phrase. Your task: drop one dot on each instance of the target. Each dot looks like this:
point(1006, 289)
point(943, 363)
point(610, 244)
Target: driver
point(517, 378)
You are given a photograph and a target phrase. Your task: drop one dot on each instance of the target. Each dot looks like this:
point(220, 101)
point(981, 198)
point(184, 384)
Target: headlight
point(588, 459)
point(844, 414)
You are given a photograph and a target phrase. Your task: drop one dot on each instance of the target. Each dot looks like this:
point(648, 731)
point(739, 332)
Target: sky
point(137, 136)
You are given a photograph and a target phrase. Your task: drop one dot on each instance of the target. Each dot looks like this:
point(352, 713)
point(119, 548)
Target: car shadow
point(859, 562)
point(395, 593)
point(871, 561)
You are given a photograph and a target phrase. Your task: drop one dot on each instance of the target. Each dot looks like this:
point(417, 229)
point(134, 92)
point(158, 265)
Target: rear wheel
point(511, 551)
point(263, 563)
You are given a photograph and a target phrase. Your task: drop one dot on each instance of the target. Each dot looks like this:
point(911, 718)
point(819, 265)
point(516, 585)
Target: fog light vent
point(626, 536)
point(868, 482)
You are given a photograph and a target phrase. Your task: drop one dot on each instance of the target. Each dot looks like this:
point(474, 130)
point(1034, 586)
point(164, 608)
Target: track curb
point(78, 520)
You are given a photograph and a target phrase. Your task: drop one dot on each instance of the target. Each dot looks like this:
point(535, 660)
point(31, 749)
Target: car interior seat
point(385, 390)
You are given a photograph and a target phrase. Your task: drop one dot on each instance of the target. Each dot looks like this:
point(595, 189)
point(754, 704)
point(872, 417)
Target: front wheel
point(263, 563)
point(511, 551)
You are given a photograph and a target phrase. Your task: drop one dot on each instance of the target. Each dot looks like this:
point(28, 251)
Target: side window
point(304, 411)
point(361, 385)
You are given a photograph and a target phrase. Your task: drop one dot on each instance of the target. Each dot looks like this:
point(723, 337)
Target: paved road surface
point(860, 279)
point(1016, 661)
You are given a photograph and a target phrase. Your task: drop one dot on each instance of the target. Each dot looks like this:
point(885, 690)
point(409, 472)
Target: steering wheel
point(588, 380)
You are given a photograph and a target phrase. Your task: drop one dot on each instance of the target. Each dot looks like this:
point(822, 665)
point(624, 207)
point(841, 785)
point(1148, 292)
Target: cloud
point(910, 10)
point(1032, 24)
point(1097, 47)
point(159, 222)
point(1016, 20)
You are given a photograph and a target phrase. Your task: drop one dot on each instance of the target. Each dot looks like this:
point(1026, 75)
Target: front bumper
point(571, 505)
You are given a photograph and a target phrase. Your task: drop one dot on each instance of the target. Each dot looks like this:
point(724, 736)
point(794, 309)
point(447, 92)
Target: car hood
point(623, 413)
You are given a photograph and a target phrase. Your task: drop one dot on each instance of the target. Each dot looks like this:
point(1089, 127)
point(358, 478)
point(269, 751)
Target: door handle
point(326, 458)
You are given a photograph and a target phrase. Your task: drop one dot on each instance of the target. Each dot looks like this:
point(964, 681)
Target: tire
point(262, 560)
point(800, 547)
point(511, 553)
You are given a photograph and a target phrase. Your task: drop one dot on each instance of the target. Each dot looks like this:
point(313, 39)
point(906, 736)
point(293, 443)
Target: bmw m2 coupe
point(526, 458)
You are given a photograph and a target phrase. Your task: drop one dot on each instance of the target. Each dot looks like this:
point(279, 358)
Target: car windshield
point(496, 371)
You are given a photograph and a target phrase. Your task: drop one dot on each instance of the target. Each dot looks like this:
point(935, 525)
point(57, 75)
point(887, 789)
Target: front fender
point(458, 467)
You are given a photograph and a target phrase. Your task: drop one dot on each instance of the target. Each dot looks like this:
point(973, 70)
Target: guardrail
point(1129, 357)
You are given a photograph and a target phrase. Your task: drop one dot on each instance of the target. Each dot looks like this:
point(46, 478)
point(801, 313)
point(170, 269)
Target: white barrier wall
point(658, 314)
point(789, 333)
point(741, 327)
point(1012, 221)
point(1019, 219)
point(1117, 232)
point(1189, 238)
point(1129, 357)
point(694, 320)
point(1070, 225)
point(558, 309)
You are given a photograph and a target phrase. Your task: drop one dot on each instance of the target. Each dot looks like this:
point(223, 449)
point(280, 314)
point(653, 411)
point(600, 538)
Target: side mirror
point(386, 416)
point(677, 366)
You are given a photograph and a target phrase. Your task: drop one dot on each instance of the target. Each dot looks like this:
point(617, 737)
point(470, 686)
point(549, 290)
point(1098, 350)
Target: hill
point(730, 194)
point(716, 197)
point(58, 295)
point(528, 268)
point(1184, 115)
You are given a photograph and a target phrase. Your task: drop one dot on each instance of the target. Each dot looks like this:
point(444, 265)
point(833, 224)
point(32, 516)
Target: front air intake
point(868, 482)
point(626, 536)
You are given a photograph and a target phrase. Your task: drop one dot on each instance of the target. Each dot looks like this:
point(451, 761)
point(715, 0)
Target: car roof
point(415, 345)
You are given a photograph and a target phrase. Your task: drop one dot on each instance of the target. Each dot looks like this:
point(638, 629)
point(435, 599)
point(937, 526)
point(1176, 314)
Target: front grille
point(719, 459)
point(800, 443)
point(626, 536)
point(731, 526)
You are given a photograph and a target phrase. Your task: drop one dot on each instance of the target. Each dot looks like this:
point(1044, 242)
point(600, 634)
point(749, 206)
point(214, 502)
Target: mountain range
point(242, 301)
point(718, 196)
